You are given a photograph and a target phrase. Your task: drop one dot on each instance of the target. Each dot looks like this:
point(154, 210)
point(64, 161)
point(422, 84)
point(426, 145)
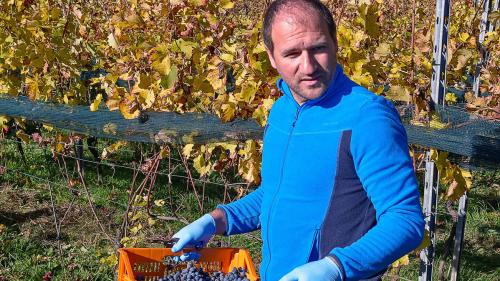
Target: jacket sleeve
point(380, 153)
point(243, 215)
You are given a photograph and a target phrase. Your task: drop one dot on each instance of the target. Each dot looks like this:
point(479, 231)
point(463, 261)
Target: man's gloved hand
point(322, 270)
point(201, 230)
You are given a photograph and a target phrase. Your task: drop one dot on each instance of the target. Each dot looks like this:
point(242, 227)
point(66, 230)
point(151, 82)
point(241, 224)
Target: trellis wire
point(115, 165)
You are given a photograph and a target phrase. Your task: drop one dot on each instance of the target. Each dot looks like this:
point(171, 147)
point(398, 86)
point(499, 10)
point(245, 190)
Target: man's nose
point(309, 63)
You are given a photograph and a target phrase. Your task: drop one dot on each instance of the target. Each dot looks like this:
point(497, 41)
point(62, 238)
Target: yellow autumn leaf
point(226, 4)
point(467, 177)
point(107, 151)
point(33, 87)
point(186, 151)
point(176, 2)
point(184, 46)
point(162, 66)
point(462, 57)
point(159, 202)
point(382, 51)
point(436, 122)
point(228, 111)
point(3, 120)
point(463, 37)
point(248, 91)
point(129, 107)
point(455, 190)
point(110, 261)
point(227, 57)
point(23, 136)
point(95, 104)
point(136, 229)
point(112, 41)
point(450, 98)
point(200, 165)
point(261, 113)
point(426, 242)
point(399, 93)
point(214, 80)
point(249, 165)
point(164, 152)
point(404, 260)
point(146, 96)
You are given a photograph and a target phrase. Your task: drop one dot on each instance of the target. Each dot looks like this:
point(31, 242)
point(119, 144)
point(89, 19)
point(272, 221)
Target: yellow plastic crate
point(148, 262)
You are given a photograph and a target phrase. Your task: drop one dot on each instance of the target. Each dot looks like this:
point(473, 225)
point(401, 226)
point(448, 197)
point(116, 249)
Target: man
point(338, 198)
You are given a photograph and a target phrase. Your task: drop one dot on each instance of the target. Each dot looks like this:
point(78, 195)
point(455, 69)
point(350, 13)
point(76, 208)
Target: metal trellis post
point(430, 208)
point(484, 27)
point(459, 237)
point(438, 88)
point(440, 51)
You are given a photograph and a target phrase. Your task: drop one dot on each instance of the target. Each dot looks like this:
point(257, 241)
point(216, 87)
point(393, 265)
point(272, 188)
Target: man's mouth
point(311, 80)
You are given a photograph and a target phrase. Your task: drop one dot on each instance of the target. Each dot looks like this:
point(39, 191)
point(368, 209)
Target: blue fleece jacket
point(337, 180)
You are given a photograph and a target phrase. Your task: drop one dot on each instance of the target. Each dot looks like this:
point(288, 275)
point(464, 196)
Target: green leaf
point(168, 81)
point(184, 46)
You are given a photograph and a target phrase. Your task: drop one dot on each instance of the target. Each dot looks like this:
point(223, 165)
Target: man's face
point(304, 53)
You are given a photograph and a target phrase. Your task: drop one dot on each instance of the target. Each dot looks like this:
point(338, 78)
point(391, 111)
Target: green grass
point(28, 244)
point(481, 248)
point(24, 258)
point(29, 248)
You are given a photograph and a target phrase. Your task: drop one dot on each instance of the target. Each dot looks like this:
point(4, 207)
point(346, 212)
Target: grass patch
point(29, 247)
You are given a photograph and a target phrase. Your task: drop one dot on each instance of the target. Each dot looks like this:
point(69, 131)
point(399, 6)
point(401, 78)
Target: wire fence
point(116, 165)
point(64, 184)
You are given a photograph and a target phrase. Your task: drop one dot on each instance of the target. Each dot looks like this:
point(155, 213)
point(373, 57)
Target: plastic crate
point(147, 262)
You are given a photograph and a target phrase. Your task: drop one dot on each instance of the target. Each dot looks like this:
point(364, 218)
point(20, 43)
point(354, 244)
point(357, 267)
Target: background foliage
point(207, 56)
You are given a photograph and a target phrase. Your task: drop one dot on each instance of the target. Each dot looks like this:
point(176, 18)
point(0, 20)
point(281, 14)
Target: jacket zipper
point(279, 187)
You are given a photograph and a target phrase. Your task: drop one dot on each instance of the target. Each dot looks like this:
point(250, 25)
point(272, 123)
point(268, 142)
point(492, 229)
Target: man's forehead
point(298, 15)
point(286, 24)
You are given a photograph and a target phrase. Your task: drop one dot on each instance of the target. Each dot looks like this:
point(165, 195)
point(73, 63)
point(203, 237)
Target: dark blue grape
point(193, 273)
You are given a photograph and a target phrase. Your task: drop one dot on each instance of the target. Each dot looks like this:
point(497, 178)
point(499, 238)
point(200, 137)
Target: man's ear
point(271, 58)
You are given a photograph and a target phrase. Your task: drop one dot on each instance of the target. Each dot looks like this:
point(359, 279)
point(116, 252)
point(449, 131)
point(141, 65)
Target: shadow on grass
point(485, 263)
point(11, 218)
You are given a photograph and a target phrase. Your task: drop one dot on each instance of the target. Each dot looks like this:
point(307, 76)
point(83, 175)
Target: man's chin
point(315, 93)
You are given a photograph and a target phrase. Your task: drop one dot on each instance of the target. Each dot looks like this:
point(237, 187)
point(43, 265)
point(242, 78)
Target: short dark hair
point(277, 6)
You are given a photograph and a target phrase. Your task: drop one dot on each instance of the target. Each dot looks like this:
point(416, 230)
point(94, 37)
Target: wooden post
point(459, 237)
point(79, 155)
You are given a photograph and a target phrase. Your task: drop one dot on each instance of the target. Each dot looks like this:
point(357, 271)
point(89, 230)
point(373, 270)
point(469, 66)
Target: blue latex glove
point(322, 270)
point(201, 230)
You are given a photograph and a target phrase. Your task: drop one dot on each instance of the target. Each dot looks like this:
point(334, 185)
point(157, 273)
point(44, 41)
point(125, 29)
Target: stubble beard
point(305, 93)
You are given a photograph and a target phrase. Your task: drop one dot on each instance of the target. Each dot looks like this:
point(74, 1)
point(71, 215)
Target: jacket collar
point(332, 88)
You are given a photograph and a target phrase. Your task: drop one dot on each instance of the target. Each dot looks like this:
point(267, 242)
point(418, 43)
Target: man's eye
point(319, 48)
point(292, 55)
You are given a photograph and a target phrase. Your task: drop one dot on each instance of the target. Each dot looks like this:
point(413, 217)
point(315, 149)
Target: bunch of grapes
point(193, 273)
